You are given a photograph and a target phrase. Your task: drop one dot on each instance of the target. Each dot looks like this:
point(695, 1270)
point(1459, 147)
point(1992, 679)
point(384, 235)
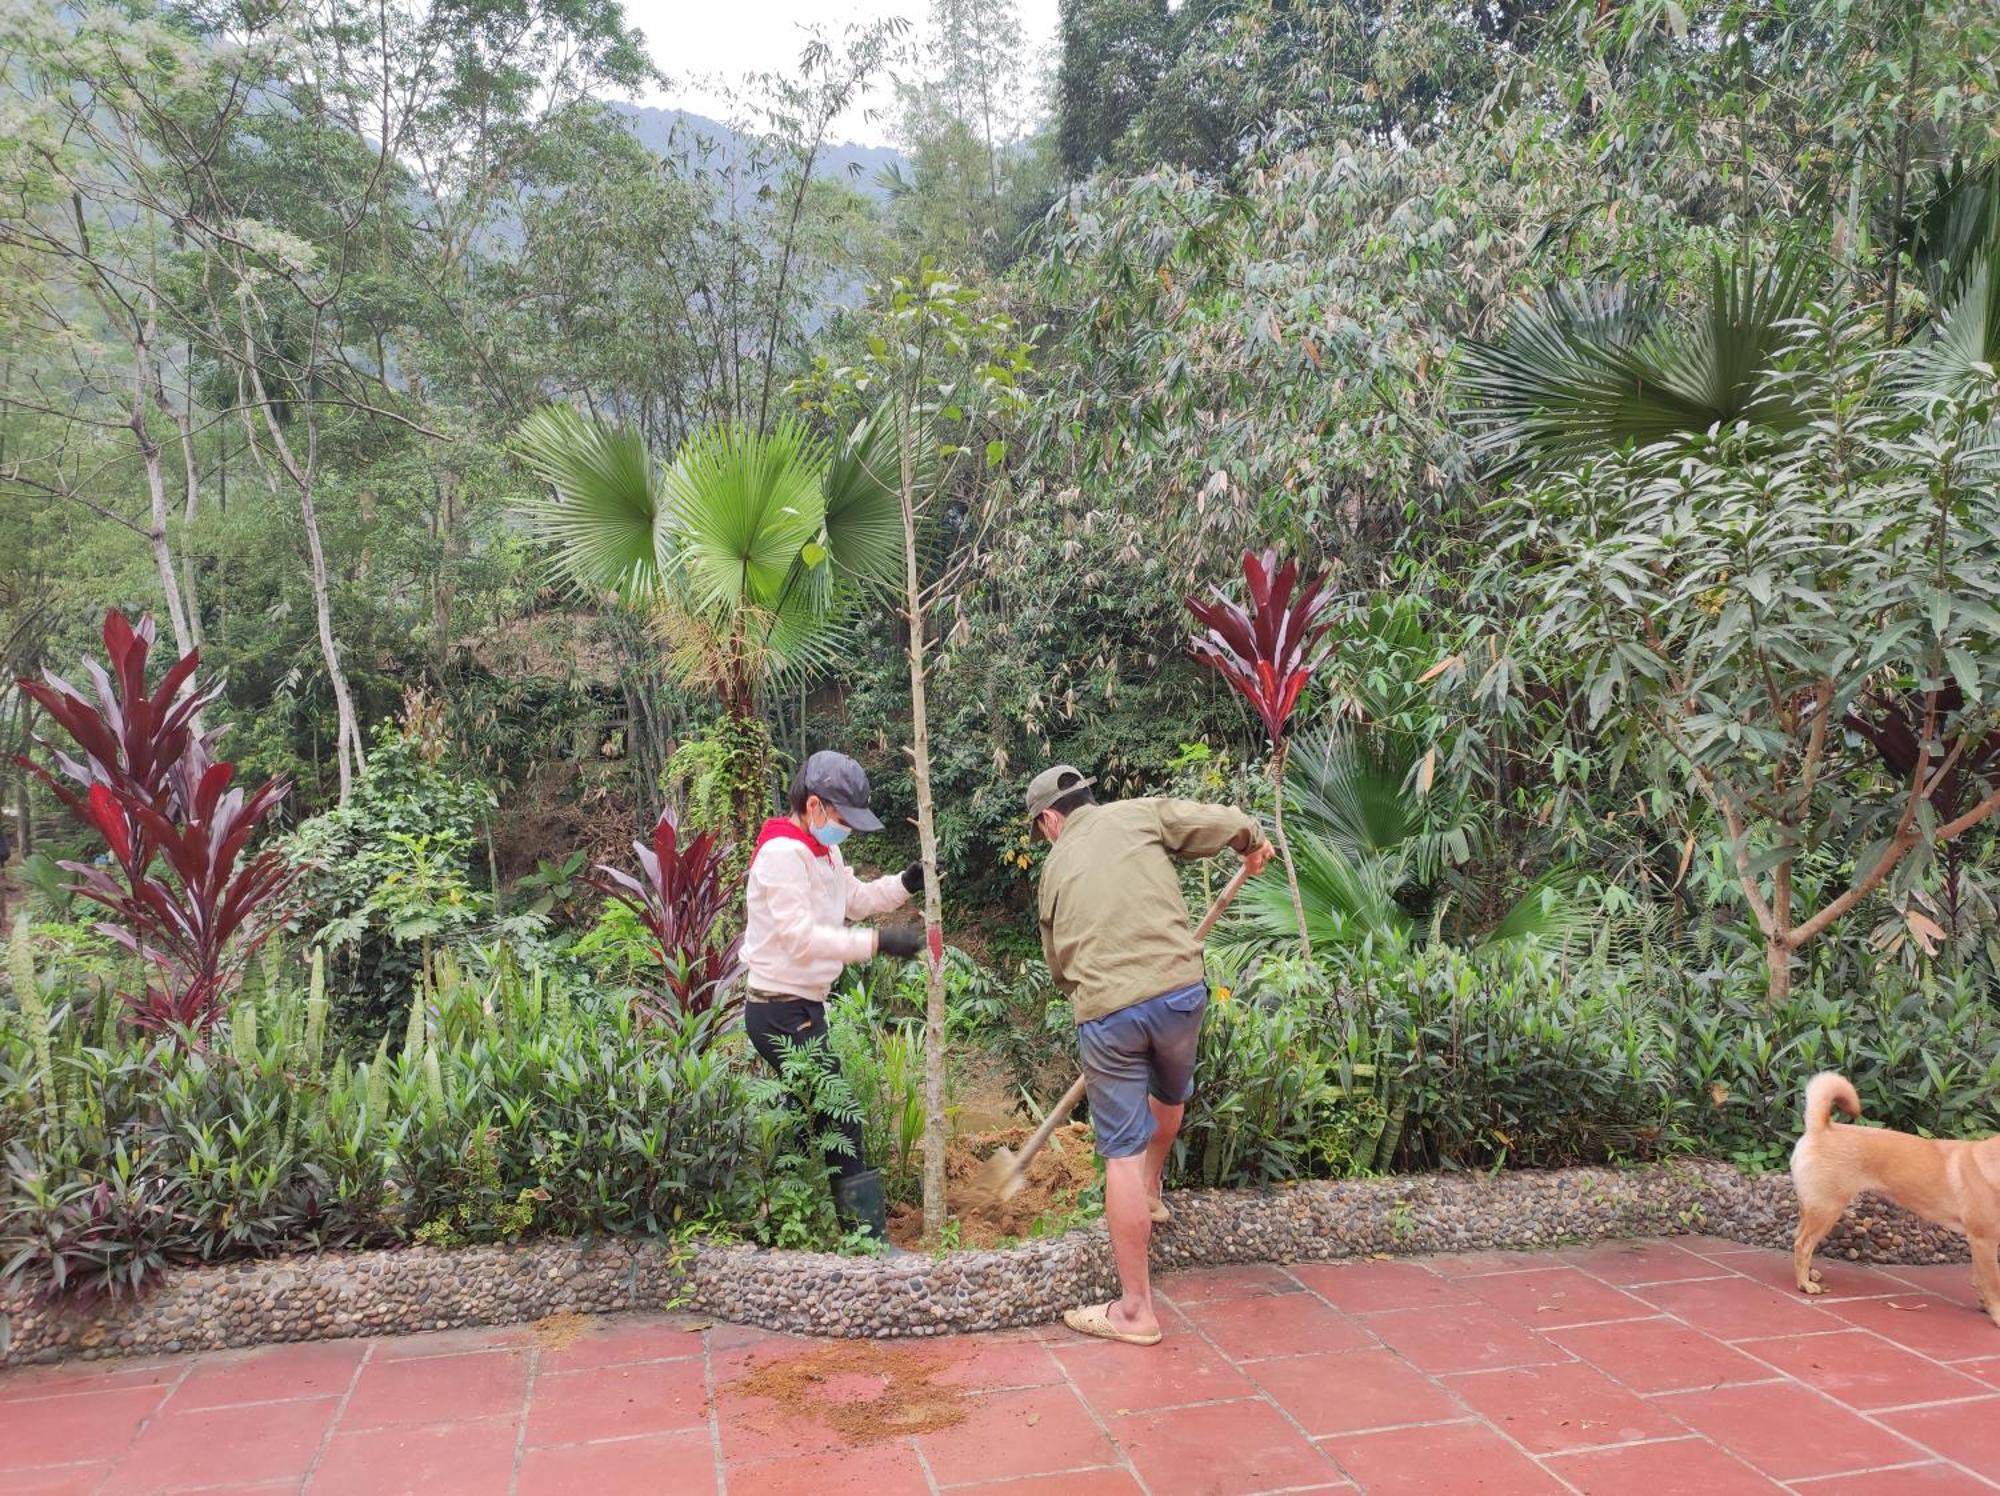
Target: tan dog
point(1955, 1184)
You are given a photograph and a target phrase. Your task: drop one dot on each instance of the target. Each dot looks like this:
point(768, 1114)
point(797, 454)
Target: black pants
point(797, 1022)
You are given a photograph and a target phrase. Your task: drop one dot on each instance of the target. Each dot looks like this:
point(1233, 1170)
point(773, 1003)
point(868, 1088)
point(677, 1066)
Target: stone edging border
point(413, 1289)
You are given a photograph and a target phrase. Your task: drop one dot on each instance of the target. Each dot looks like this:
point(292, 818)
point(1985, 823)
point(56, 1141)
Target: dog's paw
point(1812, 1285)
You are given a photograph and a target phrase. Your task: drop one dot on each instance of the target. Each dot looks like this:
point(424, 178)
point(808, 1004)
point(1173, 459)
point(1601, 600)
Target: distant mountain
point(847, 162)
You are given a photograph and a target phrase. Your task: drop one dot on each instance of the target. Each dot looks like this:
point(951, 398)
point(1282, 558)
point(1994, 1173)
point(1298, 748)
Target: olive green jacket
point(1114, 926)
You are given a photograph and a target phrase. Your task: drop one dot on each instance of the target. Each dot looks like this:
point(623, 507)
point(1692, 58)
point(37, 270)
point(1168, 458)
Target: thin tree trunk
point(348, 753)
point(1278, 758)
point(1778, 968)
point(1902, 180)
point(920, 750)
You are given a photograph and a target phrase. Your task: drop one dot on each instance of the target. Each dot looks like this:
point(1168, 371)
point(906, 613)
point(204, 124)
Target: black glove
point(902, 941)
point(913, 879)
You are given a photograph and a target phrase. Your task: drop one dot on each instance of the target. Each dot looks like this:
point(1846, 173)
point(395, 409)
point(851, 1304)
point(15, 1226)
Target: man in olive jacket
point(1116, 937)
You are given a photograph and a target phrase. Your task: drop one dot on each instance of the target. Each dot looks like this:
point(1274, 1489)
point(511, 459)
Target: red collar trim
point(778, 828)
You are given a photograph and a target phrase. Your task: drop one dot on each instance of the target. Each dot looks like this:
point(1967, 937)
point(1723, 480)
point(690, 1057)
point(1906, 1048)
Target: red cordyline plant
point(1269, 653)
point(682, 894)
point(149, 784)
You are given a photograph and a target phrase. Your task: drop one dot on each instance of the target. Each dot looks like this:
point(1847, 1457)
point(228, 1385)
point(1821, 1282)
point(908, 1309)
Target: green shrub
point(505, 1111)
point(389, 875)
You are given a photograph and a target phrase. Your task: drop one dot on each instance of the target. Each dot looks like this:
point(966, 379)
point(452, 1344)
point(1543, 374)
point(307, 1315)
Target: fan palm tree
point(1584, 371)
point(753, 550)
point(1587, 370)
point(1376, 844)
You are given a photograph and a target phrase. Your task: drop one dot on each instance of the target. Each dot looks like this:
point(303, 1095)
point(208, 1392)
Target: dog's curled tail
point(1824, 1092)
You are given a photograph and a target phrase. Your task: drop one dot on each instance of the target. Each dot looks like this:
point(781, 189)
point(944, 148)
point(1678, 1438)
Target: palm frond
point(1581, 374)
point(1954, 232)
point(602, 513)
point(1962, 341)
point(742, 508)
point(1347, 899)
point(1350, 792)
point(864, 506)
point(1549, 913)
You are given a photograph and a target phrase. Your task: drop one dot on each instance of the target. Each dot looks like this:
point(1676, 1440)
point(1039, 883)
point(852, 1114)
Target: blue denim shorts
point(1141, 1051)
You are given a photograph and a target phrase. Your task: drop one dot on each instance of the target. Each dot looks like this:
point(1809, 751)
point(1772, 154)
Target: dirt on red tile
point(1220, 1449)
point(864, 1391)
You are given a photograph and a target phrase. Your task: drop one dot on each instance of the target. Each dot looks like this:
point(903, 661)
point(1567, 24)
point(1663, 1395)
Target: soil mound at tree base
point(1057, 1177)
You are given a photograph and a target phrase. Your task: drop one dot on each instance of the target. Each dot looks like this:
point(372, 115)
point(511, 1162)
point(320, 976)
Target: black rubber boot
point(857, 1200)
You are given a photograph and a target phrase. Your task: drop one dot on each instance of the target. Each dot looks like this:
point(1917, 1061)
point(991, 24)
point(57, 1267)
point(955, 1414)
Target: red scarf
point(778, 828)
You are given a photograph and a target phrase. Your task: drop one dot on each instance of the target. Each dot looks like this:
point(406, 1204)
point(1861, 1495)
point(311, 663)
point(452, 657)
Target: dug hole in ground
point(983, 1122)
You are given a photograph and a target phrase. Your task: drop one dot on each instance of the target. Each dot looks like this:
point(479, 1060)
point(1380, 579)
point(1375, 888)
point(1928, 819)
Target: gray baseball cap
point(843, 784)
point(1051, 785)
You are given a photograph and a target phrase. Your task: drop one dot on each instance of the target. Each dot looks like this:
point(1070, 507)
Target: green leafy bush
point(388, 875)
point(506, 1109)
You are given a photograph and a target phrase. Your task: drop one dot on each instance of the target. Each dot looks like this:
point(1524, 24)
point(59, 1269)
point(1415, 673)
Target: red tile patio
point(1652, 1368)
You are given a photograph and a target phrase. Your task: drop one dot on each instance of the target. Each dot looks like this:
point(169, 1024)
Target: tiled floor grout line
point(1863, 1414)
point(1741, 1345)
point(976, 1486)
point(714, 1410)
point(1473, 1416)
point(1951, 1426)
point(1118, 1450)
point(1808, 1481)
point(1263, 1395)
point(521, 1433)
point(339, 1412)
point(113, 1466)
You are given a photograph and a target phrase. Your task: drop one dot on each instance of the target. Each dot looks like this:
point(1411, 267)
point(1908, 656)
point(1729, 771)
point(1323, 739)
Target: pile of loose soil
point(861, 1389)
point(559, 1331)
point(1056, 1177)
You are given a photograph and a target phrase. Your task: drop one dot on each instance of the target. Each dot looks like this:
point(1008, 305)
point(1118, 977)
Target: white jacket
point(797, 938)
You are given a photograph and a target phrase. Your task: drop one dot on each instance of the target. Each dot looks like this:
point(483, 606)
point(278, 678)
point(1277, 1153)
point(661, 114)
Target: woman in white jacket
point(801, 895)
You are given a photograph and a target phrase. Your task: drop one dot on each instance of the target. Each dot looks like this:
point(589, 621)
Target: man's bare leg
point(1127, 1211)
point(1166, 1127)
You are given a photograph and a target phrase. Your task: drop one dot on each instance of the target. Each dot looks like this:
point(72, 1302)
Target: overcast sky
point(693, 41)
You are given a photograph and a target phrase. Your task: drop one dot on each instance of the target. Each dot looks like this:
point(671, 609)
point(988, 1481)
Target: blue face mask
point(832, 834)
